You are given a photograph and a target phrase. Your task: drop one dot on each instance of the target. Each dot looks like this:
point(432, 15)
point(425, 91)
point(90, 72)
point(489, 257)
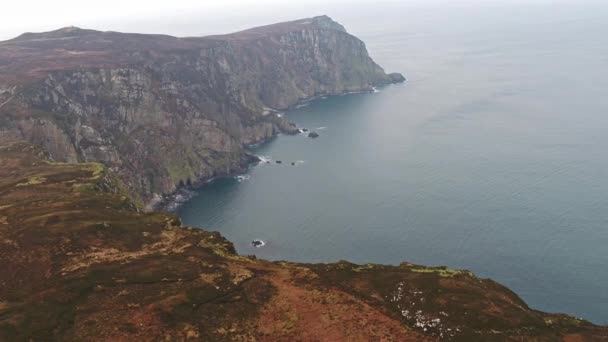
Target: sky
point(183, 17)
point(176, 17)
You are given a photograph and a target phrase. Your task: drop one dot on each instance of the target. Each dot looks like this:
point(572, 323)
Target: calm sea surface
point(493, 157)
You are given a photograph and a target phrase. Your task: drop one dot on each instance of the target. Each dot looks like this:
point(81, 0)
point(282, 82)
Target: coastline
point(108, 263)
point(171, 202)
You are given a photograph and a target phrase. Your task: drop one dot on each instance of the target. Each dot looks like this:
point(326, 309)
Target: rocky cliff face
point(163, 111)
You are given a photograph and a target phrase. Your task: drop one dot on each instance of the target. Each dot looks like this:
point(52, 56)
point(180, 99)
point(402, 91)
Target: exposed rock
point(313, 135)
point(396, 78)
point(162, 110)
point(251, 159)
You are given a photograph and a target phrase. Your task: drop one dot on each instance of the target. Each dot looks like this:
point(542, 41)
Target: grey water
point(493, 157)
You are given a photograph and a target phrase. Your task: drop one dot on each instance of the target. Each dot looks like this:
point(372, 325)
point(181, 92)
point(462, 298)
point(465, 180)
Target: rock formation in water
point(80, 262)
point(161, 111)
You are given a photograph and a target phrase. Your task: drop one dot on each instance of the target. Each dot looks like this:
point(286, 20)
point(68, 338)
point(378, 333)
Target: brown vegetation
point(81, 262)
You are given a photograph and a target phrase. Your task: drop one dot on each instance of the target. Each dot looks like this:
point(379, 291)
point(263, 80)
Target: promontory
point(96, 125)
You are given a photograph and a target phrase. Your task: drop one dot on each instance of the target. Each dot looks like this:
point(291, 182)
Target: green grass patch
point(98, 169)
point(33, 181)
point(442, 271)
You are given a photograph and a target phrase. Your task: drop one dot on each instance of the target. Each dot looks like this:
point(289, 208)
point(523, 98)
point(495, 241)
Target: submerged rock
point(279, 162)
point(257, 243)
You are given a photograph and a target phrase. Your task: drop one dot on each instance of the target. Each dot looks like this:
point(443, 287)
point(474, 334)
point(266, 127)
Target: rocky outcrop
point(162, 111)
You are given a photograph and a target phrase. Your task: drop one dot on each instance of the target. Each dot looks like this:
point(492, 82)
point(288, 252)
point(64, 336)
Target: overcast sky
point(177, 17)
point(191, 17)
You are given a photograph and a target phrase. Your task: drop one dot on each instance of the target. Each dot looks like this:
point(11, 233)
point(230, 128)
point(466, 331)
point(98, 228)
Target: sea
point(492, 157)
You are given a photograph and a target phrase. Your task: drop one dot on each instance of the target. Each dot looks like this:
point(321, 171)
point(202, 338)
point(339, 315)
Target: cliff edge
point(82, 263)
point(162, 111)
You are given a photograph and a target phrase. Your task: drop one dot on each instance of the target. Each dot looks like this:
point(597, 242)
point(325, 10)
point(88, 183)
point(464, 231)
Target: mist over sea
point(493, 157)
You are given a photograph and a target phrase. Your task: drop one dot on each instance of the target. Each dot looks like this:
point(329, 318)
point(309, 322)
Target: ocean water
point(493, 157)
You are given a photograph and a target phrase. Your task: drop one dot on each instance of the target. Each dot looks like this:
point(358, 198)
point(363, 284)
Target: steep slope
point(82, 263)
point(161, 111)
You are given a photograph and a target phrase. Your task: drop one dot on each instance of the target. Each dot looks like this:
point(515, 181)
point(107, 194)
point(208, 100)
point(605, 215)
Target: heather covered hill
point(82, 262)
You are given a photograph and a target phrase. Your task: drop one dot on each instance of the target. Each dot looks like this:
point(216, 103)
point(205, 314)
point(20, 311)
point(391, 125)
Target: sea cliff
point(162, 111)
point(93, 125)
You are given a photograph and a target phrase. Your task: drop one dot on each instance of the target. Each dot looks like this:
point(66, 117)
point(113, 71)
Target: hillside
point(82, 263)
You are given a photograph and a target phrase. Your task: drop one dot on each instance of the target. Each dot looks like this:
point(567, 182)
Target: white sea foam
point(264, 159)
point(321, 128)
point(180, 197)
point(268, 110)
point(352, 92)
point(258, 243)
point(302, 105)
point(242, 178)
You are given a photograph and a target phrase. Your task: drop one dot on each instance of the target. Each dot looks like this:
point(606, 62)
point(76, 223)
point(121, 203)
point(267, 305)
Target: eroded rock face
point(162, 111)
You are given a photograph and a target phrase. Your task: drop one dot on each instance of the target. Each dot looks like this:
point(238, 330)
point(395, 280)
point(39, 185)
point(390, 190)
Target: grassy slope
point(81, 262)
